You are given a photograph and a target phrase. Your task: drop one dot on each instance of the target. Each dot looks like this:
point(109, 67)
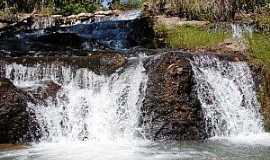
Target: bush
point(213, 10)
point(51, 6)
point(130, 4)
point(79, 8)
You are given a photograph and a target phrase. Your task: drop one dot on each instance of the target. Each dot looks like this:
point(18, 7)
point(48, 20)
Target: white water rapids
point(227, 93)
point(95, 117)
point(89, 107)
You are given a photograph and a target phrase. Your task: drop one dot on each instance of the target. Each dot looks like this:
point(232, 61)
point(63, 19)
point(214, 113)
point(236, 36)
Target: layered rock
point(109, 35)
point(98, 62)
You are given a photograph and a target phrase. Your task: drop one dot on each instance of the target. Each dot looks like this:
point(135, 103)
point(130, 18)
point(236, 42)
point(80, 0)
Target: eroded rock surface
point(171, 110)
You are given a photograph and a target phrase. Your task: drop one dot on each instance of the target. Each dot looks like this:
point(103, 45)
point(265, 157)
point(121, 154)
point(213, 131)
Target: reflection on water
point(213, 149)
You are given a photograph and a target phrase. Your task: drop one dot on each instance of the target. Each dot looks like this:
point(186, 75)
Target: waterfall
point(89, 107)
point(227, 95)
point(240, 31)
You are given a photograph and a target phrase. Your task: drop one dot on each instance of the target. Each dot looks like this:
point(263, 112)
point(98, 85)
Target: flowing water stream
point(227, 94)
point(95, 117)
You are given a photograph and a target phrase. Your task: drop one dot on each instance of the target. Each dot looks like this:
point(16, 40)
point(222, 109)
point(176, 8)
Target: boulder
point(106, 63)
point(43, 90)
point(17, 121)
point(171, 110)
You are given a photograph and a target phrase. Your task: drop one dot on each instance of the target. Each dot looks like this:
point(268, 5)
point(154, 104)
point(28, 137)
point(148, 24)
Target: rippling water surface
point(237, 148)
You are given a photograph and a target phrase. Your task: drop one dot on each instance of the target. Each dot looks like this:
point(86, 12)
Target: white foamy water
point(89, 107)
point(227, 93)
point(239, 31)
point(95, 117)
point(128, 15)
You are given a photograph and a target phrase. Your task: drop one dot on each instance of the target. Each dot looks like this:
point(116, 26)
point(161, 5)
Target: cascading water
point(239, 31)
point(226, 92)
point(94, 117)
point(89, 107)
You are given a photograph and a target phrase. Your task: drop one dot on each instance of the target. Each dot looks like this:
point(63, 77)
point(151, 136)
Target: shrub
point(129, 4)
point(78, 8)
point(213, 10)
point(50, 6)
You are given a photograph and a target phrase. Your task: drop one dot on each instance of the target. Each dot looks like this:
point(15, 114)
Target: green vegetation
point(213, 10)
point(259, 45)
point(191, 37)
point(260, 56)
point(79, 8)
point(263, 22)
point(64, 6)
point(131, 4)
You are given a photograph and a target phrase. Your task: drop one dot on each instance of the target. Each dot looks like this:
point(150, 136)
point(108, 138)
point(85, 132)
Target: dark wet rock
point(261, 76)
point(17, 120)
point(171, 110)
point(106, 63)
point(109, 35)
point(56, 41)
point(98, 62)
point(43, 90)
point(109, 30)
point(61, 38)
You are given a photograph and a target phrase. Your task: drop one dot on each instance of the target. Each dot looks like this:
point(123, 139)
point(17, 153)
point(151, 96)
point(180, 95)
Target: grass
point(259, 46)
point(263, 22)
point(191, 37)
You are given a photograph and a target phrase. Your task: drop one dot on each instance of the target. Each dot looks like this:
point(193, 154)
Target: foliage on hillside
point(214, 10)
point(130, 4)
point(27, 6)
point(65, 6)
